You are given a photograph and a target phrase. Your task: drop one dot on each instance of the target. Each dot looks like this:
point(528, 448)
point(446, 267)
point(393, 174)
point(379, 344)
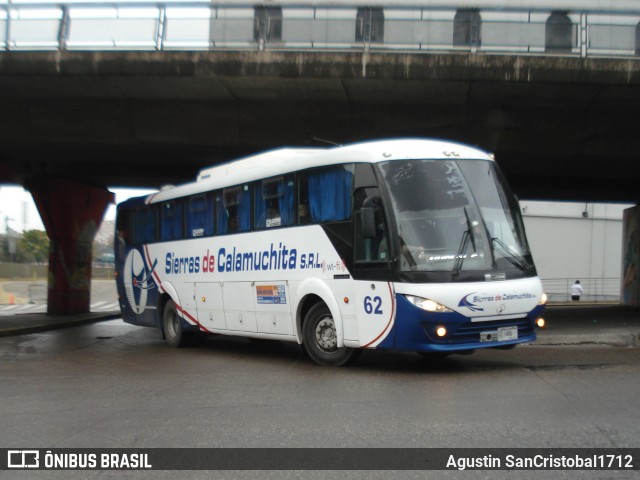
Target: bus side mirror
point(368, 218)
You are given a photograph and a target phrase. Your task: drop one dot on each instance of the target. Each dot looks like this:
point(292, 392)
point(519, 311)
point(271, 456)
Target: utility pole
point(11, 236)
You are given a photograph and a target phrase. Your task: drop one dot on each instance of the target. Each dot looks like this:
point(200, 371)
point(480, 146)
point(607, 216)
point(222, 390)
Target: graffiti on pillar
point(74, 256)
point(71, 213)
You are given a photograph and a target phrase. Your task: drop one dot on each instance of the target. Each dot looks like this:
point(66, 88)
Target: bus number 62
point(373, 305)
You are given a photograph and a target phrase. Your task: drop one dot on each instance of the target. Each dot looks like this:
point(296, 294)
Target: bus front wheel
point(173, 331)
point(321, 340)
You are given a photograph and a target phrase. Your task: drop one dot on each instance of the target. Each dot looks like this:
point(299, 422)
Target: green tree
point(4, 249)
point(34, 246)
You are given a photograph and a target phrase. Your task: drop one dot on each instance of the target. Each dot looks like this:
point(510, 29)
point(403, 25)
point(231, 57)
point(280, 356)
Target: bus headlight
point(426, 304)
point(543, 299)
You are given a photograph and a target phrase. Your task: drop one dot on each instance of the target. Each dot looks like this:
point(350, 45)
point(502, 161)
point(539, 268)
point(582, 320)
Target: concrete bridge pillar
point(630, 294)
point(71, 213)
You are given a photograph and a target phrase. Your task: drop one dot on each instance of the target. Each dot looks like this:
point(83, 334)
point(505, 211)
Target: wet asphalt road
point(114, 385)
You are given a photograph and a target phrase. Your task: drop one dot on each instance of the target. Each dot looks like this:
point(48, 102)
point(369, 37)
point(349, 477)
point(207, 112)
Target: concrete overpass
point(75, 120)
point(561, 127)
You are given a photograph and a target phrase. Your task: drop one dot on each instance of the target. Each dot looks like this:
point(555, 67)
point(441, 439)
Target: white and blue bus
point(411, 245)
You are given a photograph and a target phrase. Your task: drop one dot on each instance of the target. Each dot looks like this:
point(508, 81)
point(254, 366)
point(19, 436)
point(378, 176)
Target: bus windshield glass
point(455, 216)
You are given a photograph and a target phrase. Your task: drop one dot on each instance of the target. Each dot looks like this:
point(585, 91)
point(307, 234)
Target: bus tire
point(173, 331)
point(320, 339)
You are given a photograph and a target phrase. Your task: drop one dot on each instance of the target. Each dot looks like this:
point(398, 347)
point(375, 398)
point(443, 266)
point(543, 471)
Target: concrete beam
point(148, 118)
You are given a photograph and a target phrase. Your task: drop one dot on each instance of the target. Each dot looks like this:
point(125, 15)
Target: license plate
point(502, 334)
point(507, 333)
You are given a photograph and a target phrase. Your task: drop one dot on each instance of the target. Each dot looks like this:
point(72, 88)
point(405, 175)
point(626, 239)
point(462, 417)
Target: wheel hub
point(326, 335)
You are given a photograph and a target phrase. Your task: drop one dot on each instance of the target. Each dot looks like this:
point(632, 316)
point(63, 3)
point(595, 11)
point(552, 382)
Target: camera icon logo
point(23, 459)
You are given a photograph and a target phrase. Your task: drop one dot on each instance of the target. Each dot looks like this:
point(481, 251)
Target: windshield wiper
point(491, 249)
point(404, 249)
point(514, 258)
point(466, 236)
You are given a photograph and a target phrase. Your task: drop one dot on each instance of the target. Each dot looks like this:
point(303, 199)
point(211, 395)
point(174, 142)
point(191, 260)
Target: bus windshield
point(455, 216)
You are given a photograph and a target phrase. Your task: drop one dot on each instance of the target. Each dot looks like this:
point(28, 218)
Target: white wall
point(568, 244)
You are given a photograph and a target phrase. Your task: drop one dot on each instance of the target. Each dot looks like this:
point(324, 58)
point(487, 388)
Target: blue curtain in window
point(171, 221)
point(244, 210)
point(165, 225)
point(330, 195)
point(261, 208)
point(200, 217)
point(286, 201)
point(223, 220)
point(145, 226)
point(177, 222)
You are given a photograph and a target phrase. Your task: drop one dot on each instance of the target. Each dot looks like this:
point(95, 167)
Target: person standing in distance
point(576, 291)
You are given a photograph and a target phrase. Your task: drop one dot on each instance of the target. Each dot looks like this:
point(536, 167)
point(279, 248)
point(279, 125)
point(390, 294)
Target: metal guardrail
point(37, 292)
point(178, 25)
point(103, 271)
point(594, 289)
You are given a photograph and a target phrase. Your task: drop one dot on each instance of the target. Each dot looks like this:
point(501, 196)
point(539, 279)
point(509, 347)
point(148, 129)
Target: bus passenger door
point(375, 311)
point(239, 312)
point(209, 305)
point(372, 268)
point(273, 307)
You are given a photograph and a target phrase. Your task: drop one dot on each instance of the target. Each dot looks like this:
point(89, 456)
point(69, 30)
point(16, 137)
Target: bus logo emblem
point(136, 280)
point(465, 302)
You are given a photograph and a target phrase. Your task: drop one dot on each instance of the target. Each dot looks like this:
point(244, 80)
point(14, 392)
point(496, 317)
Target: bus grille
point(470, 332)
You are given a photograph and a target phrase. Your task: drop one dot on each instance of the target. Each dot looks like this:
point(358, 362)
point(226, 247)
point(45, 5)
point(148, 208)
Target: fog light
point(441, 331)
point(540, 322)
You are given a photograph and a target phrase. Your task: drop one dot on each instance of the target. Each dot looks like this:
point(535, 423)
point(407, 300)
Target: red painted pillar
point(71, 213)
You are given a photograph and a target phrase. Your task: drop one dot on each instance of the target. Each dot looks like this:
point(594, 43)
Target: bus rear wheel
point(173, 331)
point(321, 339)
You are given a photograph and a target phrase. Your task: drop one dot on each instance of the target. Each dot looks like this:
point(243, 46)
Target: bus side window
point(200, 216)
point(234, 209)
point(171, 221)
point(274, 202)
point(328, 194)
point(145, 225)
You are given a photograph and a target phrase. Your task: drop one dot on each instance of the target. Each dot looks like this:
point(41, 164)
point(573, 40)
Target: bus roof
point(286, 160)
point(259, 161)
